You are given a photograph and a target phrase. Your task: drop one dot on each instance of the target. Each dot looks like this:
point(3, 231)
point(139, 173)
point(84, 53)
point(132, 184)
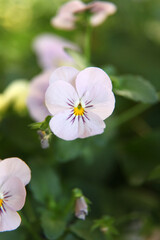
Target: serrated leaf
point(135, 88)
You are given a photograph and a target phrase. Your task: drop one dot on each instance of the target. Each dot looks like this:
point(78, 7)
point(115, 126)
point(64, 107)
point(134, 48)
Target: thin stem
point(87, 43)
point(129, 114)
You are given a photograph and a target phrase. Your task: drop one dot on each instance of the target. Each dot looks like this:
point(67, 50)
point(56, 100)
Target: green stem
point(129, 114)
point(30, 228)
point(87, 43)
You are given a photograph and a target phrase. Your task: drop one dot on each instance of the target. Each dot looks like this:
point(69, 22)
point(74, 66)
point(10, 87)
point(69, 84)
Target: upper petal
point(65, 125)
point(15, 167)
point(89, 77)
point(60, 96)
point(67, 74)
point(101, 10)
point(14, 192)
point(104, 107)
point(94, 87)
point(64, 21)
point(49, 49)
point(9, 220)
point(36, 96)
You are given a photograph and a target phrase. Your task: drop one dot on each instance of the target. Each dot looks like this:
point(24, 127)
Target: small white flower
point(79, 102)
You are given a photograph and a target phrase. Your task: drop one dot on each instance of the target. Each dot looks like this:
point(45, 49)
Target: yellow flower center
point(79, 110)
point(1, 202)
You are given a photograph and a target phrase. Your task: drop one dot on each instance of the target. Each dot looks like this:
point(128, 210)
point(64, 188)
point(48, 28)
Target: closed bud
point(81, 208)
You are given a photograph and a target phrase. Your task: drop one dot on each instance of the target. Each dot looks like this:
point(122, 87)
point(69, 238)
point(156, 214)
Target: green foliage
point(83, 230)
point(106, 224)
point(45, 183)
point(135, 88)
point(53, 228)
point(155, 173)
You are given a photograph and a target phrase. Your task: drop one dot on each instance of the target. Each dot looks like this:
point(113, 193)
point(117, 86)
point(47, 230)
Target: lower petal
point(90, 125)
point(9, 220)
point(65, 125)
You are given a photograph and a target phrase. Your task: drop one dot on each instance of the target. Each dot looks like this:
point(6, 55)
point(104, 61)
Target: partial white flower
point(79, 102)
point(81, 208)
point(14, 175)
point(50, 51)
point(36, 96)
point(51, 54)
point(66, 17)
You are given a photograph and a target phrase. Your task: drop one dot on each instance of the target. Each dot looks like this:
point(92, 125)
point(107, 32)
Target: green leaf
point(155, 174)
point(53, 228)
point(45, 183)
point(83, 230)
point(18, 234)
point(41, 125)
point(106, 224)
point(135, 88)
point(110, 69)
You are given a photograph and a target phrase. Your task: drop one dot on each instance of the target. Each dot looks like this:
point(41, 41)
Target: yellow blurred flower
point(14, 95)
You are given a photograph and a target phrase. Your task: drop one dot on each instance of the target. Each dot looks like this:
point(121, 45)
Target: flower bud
point(81, 208)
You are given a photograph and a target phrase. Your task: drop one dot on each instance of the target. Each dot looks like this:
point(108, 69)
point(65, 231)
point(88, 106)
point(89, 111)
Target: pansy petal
point(95, 91)
point(36, 96)
point(91, 77)
point(101, 10)
point(65, 125)
point(104, 108)
point(65, 18)
point(67, 74)
point(64, 21)
point(14, 193)
point(15, 167)
point(90, 125)
point(9, 220)
point(60, 96)
point(72, 7)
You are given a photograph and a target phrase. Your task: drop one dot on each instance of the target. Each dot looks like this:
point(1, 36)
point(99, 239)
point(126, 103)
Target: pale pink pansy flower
point(36, 96)
point(66, 17)
point(50, 51)
point(79, 102)
point(14, 175)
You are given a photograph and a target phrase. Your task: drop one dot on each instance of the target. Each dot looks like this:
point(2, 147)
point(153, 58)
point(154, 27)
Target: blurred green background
point(114, 170)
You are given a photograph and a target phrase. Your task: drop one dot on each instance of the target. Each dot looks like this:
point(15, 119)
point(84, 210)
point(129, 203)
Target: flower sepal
point(43, 131)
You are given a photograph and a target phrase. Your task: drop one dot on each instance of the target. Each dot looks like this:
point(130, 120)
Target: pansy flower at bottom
point(14, 175)
point(79, 102)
